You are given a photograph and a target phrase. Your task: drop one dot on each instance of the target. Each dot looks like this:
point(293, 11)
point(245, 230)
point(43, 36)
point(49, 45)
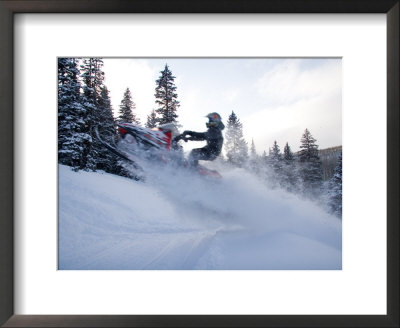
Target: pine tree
point(108, 161)
point(263, 164)
point(264, 157)
point(166, 97)
point(309, 149)
point(73, 138)
point(310, 164)
point(127, 108)
point(253, 152)
point(93, 78)
point(287, 153)
point(151, 120)
point(274, 165)
point(254, 159)
point(107, 129)
point(289, 174)
point(276, 158)
point(235, 145)
point(335, 189)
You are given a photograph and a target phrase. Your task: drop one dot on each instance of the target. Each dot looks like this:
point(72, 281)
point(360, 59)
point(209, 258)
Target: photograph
point(199, 163)
point(181, 163)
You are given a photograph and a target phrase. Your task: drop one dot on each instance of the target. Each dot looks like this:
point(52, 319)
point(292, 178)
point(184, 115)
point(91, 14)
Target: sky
point(274, 98)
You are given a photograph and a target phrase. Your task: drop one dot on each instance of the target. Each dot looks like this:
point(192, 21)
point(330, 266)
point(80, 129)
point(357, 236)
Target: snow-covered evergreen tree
point(93, 81)
point(106, 160)
point(289, 170)
point(309, 148)
point(151, 120)
point(273, 163)
point(253, 152)
point(127, 109)
point(275, 158)
point(166, 97)
point(310, 164)
point(264, 157)
point(73, 138)
point(93, 78)
point(335, 189)
point(235, 146)
point(254, 158)
point(287, 153)
point(107, 126)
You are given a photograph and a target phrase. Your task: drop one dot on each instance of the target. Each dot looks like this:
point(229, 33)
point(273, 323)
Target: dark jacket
point(213, 136)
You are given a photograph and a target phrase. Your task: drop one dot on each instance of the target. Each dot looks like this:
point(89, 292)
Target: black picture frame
point(10, 7)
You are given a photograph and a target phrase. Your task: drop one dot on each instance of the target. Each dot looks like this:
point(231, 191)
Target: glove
point(177, 138)
point(184, 134)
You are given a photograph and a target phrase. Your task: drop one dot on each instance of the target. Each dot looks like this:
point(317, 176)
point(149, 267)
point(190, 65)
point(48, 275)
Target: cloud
point(289, 82)
point(297, 94)
point(286, 123)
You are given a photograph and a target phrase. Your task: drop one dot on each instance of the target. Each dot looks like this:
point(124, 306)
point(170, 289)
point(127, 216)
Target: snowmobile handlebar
point(183, 137)
point(186, 139)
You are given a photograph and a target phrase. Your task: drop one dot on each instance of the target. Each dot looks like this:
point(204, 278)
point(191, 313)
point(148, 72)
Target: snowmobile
point(160, 144)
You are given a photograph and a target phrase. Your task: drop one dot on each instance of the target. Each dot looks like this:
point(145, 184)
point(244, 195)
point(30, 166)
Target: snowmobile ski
point(115, 151)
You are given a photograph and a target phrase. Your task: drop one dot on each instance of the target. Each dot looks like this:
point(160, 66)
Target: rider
point(214, 139)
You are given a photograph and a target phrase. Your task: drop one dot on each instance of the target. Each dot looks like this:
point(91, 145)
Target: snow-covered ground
point(177, 220)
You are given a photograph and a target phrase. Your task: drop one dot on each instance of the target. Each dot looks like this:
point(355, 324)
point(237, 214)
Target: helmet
point(214, 119)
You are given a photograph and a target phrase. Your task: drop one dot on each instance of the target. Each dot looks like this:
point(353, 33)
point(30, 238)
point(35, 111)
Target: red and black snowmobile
point(161, 144)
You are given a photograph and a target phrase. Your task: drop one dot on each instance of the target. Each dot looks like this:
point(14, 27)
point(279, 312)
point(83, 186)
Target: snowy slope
point(179, 221)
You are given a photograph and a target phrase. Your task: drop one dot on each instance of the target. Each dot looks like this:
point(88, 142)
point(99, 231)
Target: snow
point(178, 220)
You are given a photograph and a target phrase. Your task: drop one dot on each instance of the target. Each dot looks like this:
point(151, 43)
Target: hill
point(177, 220)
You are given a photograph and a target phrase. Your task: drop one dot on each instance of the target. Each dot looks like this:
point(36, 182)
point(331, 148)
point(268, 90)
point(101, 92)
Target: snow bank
point(178, 220)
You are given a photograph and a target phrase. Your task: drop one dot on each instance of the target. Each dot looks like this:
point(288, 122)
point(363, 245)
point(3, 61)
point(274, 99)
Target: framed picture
point(226, 286)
